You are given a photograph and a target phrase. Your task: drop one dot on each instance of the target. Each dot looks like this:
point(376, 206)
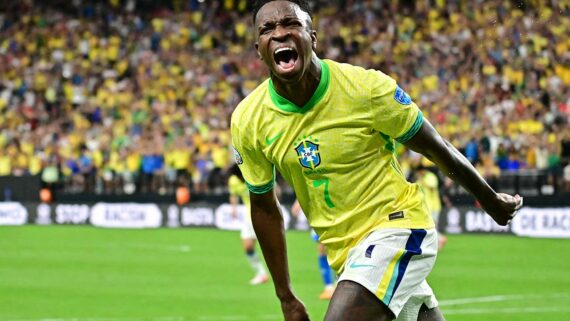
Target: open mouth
point(285, 57)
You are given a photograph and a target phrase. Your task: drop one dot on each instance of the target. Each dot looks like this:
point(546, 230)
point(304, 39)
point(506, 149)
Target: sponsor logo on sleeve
point(237, 156)
point(402, 97)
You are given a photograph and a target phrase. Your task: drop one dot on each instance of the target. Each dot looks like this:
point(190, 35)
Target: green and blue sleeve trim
point(413, 130)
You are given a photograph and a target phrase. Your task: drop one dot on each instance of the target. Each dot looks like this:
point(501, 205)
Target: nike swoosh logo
point(269, 141)
point(356, 265)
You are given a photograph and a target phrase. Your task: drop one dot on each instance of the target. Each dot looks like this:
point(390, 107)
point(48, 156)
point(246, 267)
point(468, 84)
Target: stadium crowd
point(111, 97)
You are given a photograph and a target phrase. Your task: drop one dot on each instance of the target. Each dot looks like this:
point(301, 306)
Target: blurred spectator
point(140, 99)
point(566, 178)
point(220, 161)
point(5, 163)
point(472, 150)
point(489, 170)
point(50, 173)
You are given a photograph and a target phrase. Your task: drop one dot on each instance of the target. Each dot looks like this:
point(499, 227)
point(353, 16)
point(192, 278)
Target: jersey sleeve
point(393, 111)
point(257, 171)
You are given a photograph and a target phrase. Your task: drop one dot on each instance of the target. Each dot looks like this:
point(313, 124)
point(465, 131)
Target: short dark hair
point(303, 4)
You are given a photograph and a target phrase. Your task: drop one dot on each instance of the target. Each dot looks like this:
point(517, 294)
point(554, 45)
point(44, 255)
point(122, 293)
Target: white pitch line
point(155, 247)
point(240, 317)
point(145, 247)
point(493, 311)
point(202, 318)
point(499, 298)
point(442, 303)
point(104, 319)
point(508, 310)
point(224, 318)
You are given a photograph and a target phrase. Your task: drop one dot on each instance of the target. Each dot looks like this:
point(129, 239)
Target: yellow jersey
point(337, 152)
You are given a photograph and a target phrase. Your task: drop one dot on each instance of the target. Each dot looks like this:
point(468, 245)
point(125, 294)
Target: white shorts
point(394, 264)
point(247, 232)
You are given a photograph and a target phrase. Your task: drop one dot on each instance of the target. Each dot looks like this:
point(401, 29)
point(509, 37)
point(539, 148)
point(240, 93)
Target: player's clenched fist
point(294, 310)
point(503, 208)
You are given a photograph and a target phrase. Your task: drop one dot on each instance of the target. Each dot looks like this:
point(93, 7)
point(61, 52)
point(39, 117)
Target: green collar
point(286, 105)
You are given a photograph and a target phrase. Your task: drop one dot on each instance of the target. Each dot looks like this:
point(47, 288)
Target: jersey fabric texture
point(337, 152)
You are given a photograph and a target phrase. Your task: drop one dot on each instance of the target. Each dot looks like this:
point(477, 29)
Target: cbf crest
point(308, 153)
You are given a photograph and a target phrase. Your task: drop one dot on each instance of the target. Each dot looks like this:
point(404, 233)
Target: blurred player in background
point(429, 183)
point(327, 274)
point(238, 189)
point(329, 129)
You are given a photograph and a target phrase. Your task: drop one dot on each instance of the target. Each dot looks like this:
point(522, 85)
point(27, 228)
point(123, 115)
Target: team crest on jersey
point(237, 156)
point(308, 154)
point(402, 97)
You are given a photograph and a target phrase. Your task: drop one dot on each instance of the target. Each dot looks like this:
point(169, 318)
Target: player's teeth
point(282, 49)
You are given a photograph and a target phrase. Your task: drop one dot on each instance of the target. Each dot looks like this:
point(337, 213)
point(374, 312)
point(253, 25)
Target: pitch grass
point(88, 274)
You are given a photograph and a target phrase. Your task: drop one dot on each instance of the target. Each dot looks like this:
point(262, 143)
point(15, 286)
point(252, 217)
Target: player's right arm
point(259, 176)
point(269, 229)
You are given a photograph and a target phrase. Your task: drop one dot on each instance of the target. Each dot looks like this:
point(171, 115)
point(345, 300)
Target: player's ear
point(257, 50)
point(314, 39)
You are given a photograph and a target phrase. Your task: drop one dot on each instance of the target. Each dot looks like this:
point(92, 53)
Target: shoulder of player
point(345, 67)
point(359, 74)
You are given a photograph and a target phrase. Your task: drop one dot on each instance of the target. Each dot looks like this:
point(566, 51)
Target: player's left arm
point(427, 141)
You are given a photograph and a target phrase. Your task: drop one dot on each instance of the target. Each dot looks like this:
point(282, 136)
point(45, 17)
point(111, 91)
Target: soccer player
point(329, 129)
point(429, 183)
point(238, 190)
point(327, 275)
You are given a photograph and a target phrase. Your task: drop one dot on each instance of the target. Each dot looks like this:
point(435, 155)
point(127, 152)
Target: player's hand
point(503, 208)
point(294, 310)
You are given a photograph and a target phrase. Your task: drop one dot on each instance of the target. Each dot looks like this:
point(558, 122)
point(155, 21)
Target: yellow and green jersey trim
point(286, 105)
point(261, 189)
point(413, 130)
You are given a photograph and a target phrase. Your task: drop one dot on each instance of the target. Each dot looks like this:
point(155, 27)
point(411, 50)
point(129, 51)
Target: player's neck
point(301, 92)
